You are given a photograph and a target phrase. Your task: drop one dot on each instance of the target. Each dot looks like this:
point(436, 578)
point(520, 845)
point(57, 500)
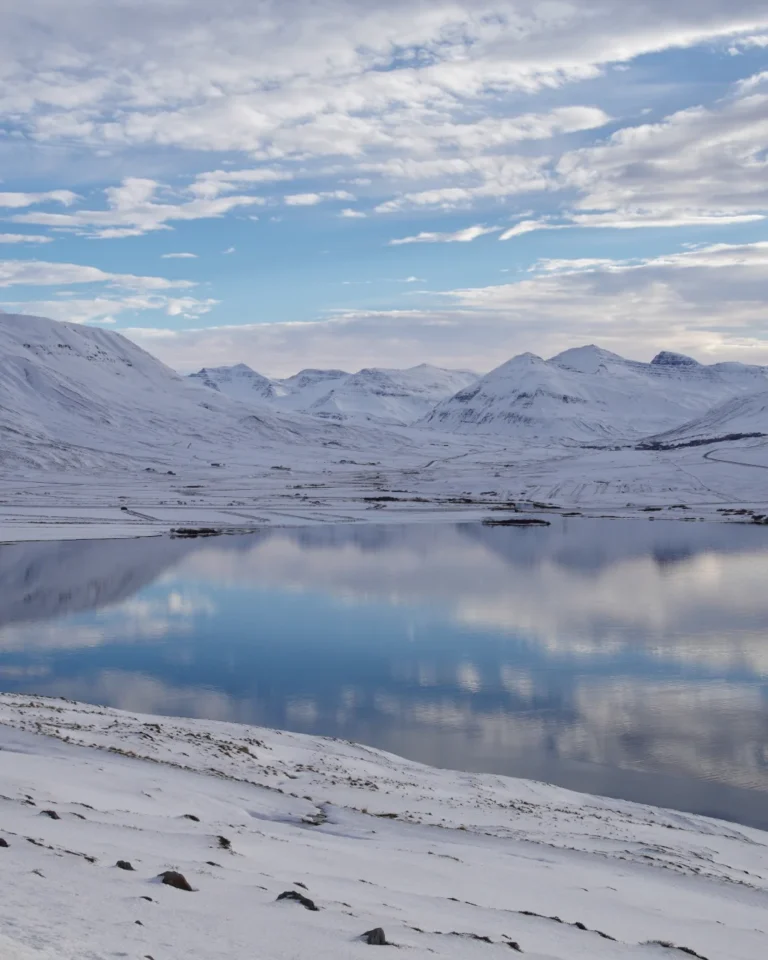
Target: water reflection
point(623, 657)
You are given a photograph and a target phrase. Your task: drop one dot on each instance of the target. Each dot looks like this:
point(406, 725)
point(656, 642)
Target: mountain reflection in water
point(620, 657)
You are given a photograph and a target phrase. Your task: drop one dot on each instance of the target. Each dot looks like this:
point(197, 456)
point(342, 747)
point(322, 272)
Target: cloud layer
point(451, 122)
point(708, 302)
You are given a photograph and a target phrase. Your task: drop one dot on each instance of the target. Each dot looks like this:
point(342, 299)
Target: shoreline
point(448, 863)
point(28, 530)
point(462, 481)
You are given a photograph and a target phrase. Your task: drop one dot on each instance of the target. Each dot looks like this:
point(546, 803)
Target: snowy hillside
point(239, 382)
point(590, 395)
point(73, 395)
point(293, 846)
point(736, 417)
point(390, 396)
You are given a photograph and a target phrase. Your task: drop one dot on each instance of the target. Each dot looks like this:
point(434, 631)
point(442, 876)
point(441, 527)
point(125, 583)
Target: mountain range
point(398, 397)
point(85, 396)
point(585, 395)
point(589, 395)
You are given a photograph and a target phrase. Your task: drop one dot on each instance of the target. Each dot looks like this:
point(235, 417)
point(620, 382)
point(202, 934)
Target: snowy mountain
point(73, 395)
point(589, 395)
point(391, 396)
point(239, 382)
point(396, 397)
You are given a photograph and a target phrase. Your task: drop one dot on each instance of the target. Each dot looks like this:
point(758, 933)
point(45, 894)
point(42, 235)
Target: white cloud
point(42, 273)
point(700, 165)
point(467, 235)
point(132, 210)
point(16, 201)
point(526, 226)
point(312, 199)
point(24, 238)
point(229, 250)
point(350, 214)
point(215, 182)
point(242, 77)
point(106, 309)
point(179, 256)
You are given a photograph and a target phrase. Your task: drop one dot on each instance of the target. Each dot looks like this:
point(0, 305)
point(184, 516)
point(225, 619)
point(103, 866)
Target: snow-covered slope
point(388, 396)
point(450, 865)
point(736, 417)
point(239, 382)
point(73, 395)
point(590, 395)
point(394, 396)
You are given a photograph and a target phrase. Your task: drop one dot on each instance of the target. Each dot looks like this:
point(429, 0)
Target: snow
point(740, 415)
point(390, 396)
point(98, 438)
point(590, 395)
point(448, 864)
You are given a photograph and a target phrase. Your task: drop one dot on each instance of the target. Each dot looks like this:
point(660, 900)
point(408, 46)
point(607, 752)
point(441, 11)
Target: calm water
point(621, 657)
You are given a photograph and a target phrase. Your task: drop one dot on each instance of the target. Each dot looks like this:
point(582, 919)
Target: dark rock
point(224, 844)
point(147, 898)
point(302, 885)
point(191, 816)
point(516, 522)
point(124, 865)
point(138, 923)
point(173, 878)
point(4, 843)
point(515, 946)
point(375, 938)
point(50, 813)
point(299, 898)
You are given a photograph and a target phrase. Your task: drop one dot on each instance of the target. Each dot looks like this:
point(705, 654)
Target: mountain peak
point(667, 358)
point(587, 359)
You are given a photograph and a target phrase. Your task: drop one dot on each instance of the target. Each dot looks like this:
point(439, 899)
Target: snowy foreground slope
point(448, 864)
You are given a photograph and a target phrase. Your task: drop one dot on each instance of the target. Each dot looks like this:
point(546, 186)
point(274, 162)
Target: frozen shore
point(459, 483)
point(448, 864)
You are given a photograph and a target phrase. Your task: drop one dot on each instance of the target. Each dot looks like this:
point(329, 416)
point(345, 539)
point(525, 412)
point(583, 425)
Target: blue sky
point(357, 183)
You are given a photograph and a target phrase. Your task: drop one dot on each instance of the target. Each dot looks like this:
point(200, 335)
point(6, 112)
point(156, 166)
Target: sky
point(347, 183)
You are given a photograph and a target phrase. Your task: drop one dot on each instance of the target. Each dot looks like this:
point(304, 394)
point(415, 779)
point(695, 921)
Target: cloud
point(229, 250)
point(242, 77)
point(698, 166)
point(350, 214)
point(24, 238)
point(106, 309)
point(215, 182)
point(179, 256)
point(37, 273)
point(312, 199)
point(527, 226)
point(709, 302)
point(473, 178)
point(16, 201)
point(133, 210)
point(429, 107)
point(467, 235)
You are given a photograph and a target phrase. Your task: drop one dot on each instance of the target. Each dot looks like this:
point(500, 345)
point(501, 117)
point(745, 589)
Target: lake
point(628, 658)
